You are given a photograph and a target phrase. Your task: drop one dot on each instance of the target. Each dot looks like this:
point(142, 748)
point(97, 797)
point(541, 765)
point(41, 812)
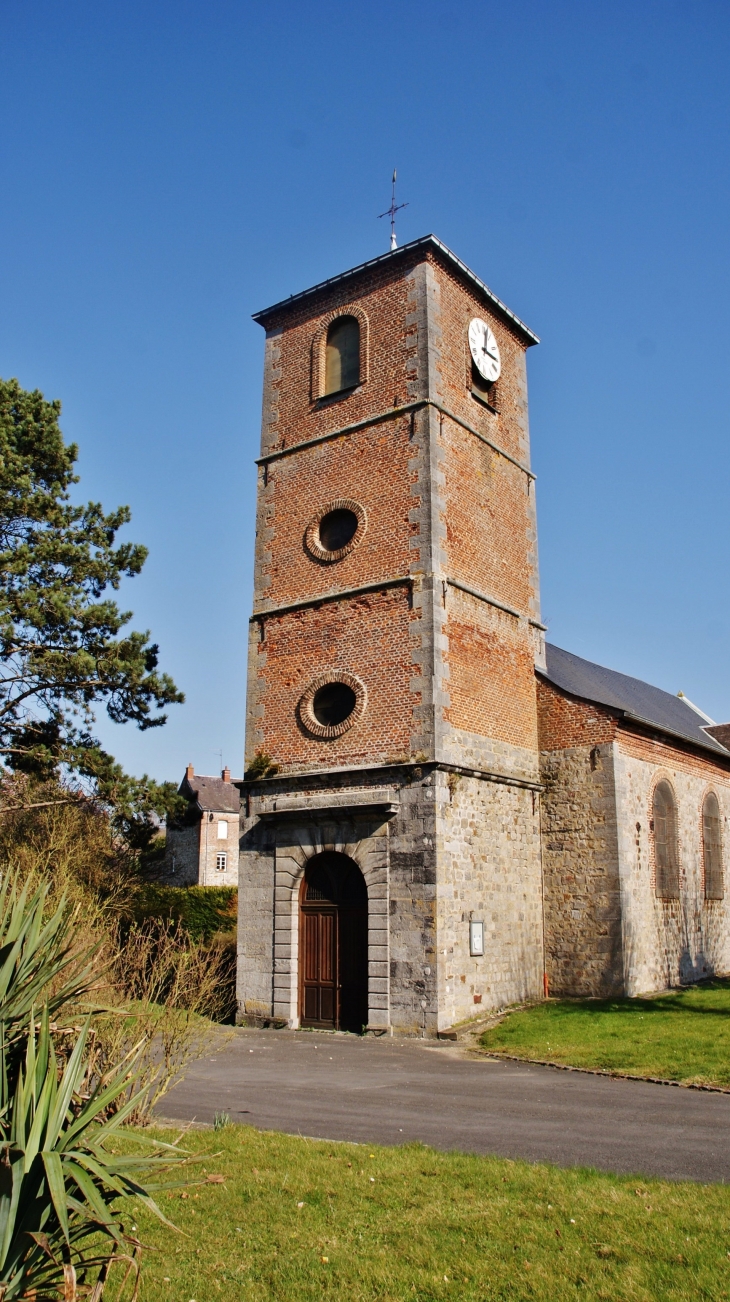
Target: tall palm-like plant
point(59, 1180)
point(38, 964)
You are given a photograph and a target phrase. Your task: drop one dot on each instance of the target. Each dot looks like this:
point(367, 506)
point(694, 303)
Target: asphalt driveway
point(387, 1091)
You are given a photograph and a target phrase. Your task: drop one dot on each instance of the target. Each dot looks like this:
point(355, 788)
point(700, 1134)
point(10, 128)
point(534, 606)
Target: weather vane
point(390, 212)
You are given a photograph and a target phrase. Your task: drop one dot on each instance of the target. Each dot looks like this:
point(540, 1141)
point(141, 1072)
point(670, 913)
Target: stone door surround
point(363, 837)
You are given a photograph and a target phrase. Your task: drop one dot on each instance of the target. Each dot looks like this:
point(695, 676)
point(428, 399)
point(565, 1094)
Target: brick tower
point(390, 869)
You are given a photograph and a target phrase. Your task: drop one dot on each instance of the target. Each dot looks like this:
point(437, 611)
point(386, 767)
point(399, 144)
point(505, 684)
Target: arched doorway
point(333, 944)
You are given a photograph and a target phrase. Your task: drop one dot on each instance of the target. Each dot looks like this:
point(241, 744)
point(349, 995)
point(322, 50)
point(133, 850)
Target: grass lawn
point(681, 1035)
point(298, 1219)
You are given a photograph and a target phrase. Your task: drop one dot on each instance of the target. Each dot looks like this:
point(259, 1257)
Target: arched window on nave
point(666, 855)
point(342, 355)
point(712, 847)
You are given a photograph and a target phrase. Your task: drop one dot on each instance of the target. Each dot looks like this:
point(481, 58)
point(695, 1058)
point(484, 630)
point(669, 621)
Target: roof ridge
point(422, 240)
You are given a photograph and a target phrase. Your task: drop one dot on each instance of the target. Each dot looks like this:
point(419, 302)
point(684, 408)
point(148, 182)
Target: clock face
point(484, 350)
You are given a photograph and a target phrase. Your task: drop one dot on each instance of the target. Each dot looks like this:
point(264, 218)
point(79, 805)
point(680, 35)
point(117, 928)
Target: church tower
point(390, 855)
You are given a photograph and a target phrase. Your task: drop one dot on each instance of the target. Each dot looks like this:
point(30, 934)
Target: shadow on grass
point(682, 1001)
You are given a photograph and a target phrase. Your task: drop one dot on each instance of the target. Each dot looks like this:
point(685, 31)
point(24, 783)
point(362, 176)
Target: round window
point(337, 529)
point(333, 703)
point(333, 532)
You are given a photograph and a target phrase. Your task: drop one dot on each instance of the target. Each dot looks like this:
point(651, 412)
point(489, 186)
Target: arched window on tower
point(342, 356)
point(712, 847)
point(666, 856)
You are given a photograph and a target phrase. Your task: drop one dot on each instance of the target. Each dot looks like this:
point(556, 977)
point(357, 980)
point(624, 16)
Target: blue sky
point(170, 168)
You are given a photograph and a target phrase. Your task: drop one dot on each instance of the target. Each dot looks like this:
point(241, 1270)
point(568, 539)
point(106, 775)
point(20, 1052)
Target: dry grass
point(160, 988)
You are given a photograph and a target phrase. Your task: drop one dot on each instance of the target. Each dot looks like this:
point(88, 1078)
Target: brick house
point(437, 837)
point(202, 847)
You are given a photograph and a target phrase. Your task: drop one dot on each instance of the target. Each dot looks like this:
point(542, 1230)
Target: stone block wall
point(606, 932)
point(211, 845)
point(191, 852)
point(182, 855)
point(488, 845)
point(669, 942)
point(456, 848)
point(583, 941)
point(396, 854)
point(413, 872)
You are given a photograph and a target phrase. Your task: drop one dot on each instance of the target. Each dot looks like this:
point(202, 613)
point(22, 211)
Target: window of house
point(712, 847)
point(342, 355)
point(666, 855)
point(221, 862)
point(222, 831)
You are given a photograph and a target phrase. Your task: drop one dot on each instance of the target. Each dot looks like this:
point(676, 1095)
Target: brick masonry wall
point(457, 304)
point(369, 636)
point(488, 846)
point(486, 514)
point(489, 502)
point(564, 721)
point(371, 466)
point(437, 501)
point(387, 469)
point(487, 511)
point(668, 942)
point(290, 415)
point(460, 692)
point(491, 687)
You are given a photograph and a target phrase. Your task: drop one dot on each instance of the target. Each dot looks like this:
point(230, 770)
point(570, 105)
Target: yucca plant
point(38, 964)
point(59, 1179)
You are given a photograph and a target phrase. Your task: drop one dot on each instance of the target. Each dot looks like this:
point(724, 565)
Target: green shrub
point(201, 910)
point(262, 766)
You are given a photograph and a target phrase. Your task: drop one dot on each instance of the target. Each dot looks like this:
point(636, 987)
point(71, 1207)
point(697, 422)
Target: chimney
point(226, 774)
point(189, 772)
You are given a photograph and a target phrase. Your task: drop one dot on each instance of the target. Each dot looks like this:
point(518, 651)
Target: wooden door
point(319, 966)
point(333, 959)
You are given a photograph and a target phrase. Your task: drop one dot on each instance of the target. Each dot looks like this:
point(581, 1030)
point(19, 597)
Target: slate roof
point(425, 240)
point(212, 794)
point(631, 697)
